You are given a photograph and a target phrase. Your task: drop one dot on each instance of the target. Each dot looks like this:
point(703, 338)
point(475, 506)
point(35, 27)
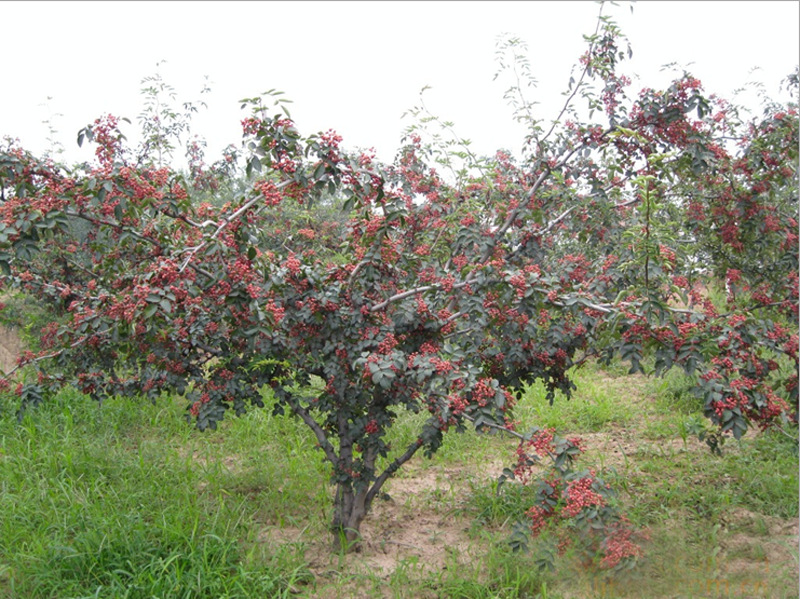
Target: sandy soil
point(414, 527)
point(10, 348)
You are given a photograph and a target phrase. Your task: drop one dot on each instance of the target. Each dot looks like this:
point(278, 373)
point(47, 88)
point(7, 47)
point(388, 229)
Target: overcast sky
point(355, 67)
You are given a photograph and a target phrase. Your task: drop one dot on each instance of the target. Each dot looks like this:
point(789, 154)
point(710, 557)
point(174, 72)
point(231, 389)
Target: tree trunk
point(349, 509)
point(353, 499)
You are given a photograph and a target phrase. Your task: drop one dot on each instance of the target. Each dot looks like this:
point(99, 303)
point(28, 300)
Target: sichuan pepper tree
point(437, 296)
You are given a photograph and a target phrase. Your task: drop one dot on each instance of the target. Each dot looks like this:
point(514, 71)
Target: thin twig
point(579, 83)
point(77, 343)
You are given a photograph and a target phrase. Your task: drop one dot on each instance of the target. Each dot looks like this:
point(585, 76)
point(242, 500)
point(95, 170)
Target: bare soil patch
point(765, 543)
point(10, 348)
point(416, 527)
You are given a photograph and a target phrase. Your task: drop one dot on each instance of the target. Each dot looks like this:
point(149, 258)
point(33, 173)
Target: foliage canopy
point(438, 293)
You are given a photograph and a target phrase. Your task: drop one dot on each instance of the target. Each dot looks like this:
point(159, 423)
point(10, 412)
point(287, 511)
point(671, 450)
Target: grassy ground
point(127, 501)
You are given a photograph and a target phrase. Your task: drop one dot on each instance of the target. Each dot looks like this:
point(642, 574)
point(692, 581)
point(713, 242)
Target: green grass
point(100, 501)
point(593, 406)
point(127, 500)
point(500, 574)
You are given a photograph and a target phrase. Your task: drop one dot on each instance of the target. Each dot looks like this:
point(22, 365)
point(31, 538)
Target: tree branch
point(112, 224)
point(330, 452)
point(55, 354)
point(390, 470)
point(225, 222)
point(358, 267)
point(416, 290)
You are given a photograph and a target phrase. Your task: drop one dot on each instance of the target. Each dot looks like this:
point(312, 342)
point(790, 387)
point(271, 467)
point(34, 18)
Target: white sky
point(355, 66)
